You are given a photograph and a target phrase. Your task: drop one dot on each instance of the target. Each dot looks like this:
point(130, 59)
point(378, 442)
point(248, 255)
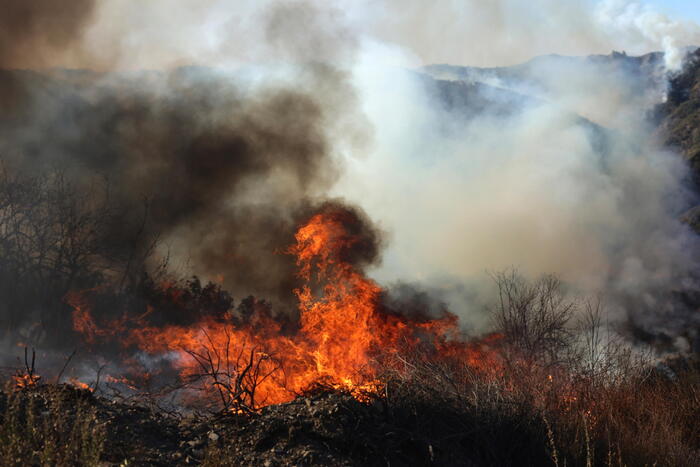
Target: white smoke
point(638, 26)
point(531, 189)
point(528, 190)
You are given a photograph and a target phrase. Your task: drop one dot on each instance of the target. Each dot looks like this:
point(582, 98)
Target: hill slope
point(679, 123)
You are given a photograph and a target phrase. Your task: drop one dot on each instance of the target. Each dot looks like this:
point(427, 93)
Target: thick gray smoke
point(258, 111)
point(219, 172)
point(505, 32)
point(105, 172)
point(473, 32)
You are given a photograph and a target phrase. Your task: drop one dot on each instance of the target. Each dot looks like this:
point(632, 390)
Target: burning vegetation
point(351, 379)
point(169, 246)
point(343, 338)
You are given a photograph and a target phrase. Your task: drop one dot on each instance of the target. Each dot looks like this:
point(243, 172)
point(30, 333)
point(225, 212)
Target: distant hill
point(460, 92)
point(510, 88)
point(536, 76)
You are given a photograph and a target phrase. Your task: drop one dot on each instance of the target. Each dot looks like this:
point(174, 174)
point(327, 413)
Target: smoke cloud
point(216, 168)
point(506, 32)
point(260, 111)
point(470, 177)
point(31, 32)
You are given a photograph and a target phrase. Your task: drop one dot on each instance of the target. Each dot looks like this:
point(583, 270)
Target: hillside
point(510, 88)
point(680, 115)
point(430, 420)
point(540, 76)
point(679, 123)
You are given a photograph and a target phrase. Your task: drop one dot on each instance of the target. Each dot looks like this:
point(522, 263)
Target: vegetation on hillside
point(680, 114)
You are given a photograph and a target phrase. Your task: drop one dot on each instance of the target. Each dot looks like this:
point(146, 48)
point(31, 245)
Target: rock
point(195, 443)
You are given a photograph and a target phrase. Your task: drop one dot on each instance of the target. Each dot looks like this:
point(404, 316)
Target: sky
point(682, 9)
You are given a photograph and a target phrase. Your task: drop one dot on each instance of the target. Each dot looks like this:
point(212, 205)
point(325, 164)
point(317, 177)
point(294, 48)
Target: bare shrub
point(56, 237)
point(570, 392)
point(235, 370)
point(533, 316)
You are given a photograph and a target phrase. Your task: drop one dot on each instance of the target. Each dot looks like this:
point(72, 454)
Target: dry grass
point(567, 395)
point(52, 431)
point(648, 420)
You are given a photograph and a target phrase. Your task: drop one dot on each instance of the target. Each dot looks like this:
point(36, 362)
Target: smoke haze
point(259, 111)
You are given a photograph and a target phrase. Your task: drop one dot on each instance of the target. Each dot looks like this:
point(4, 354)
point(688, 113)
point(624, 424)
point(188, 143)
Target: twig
point(65, 365)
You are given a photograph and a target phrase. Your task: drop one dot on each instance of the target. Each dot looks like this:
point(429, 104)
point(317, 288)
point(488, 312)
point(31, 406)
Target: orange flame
point(79, 384)
point(342, 331)
point(26, 380)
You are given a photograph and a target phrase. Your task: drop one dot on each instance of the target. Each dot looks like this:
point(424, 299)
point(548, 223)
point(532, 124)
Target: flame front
point(341, 335)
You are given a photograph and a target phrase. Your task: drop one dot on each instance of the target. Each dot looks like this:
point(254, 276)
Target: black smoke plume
point(115, 177)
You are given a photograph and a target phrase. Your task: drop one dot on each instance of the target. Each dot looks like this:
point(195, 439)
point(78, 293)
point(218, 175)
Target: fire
point(342, 332)
point(82, 319)
point(26, 380)
point(121, 380)
point(79, 384)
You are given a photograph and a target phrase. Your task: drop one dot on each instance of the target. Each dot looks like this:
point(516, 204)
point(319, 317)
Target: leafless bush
point(236, 372)
point(27, 377)
point(55, 238)
point(534, 316)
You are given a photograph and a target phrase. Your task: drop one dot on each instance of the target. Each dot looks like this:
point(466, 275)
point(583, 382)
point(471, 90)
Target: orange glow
point(342, 332)
point(23, 381)
point(79, 384)
point(83, 321)
point(122, 380)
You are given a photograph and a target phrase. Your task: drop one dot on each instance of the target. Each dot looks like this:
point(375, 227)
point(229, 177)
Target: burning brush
point(343, 332)
point(27, 377)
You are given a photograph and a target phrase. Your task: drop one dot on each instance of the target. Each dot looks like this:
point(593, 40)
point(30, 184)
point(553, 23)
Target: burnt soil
point(325, 428)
